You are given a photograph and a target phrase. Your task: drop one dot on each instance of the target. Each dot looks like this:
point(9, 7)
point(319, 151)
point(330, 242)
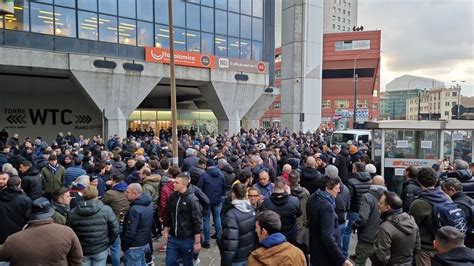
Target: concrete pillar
point(302, 38)
point(116, 92)
point(231, 101)
point(252, 118)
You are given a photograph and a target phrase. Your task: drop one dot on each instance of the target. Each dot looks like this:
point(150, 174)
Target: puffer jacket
point(358, 185)
point(32, 183)
point(302, 195)
point(95, 225)
point(183, 215)
point(288, 207)
point(397, 239)
point(15, 207)
point(151, 185)
point(411, 188)
point(213, 184)
point(195, 173)
point(138, 223)
point(343, 164)
point(238, 233)
point(310, 178)
point(229, 176)
point(369, 215)
point(461, 256)
point(117, 200)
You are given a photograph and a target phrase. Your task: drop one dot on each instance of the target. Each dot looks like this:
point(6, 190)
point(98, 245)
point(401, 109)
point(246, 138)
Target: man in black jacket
point(31, 180)
point(358, 185)
point(137, 225)
point(462, 173)
point(183, 223)
point(411, 187)
point(450, 244)
point(310, 176)
point(238, 232)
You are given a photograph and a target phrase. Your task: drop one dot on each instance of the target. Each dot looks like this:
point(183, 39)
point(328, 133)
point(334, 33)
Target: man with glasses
point(254, 198)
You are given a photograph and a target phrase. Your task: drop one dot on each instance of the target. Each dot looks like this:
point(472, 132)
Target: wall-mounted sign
point(235, 64)
point(426, 144)
point(458, 136)
point(182, 58)
point(402, 144)
point(403, 163)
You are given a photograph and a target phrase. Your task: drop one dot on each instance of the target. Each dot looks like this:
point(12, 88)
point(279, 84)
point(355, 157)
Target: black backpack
point(449, 214)
point(470, 222)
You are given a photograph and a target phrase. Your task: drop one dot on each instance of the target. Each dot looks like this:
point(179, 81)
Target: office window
point(144, 34)
point(162, 36)
point(207, 43)
point(341, 104)
point(333, 26)
point(180, 39)
point(446, 104)
point(67, 3)
point(344, 28)
point(179, 13)
point(455, 94)
point(349, 21)
point(161, 11)
point(193, 20)
point(234, 5)
point(333, 9)
point(375, 93)
point(362, 103)
point(207, 3)
point(107, 28)
point(42, 18)
point(454, 103)
point(108, 7)
point(207, 19)
point(344, 20)
point(246, 7)
point(87, 25)
point(333, 17)
point(257, 8)
point(86, 4)
point(339, 19)
point(234, 23)
point(326, 104)
point(348, 13)
point(245, 27)
point(234, 48)
point(220, 45)
point(257, 29)
point(338, 10)
point(343, 11)
point(20, 19)
point(127, 31)
point(193, 39)
point(353, 45)
point(221, 22)
point(338, 27)
point(127, 8)
point(1, 22)
point(222, 4)
point(245, 49)
point(446, 113)
point(145, 10)
point(65, 22)
point(44, 1)
point(278, 74)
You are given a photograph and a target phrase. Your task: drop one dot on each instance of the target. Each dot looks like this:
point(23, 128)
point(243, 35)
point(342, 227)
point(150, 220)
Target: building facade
point(433, 104)
point(115, 42)
point(340, 15)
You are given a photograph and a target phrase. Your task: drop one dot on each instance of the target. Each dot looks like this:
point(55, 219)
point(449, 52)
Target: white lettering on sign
point(403, 163)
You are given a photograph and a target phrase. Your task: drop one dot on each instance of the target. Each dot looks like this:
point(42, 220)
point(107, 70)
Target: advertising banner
point(181, 58)
point(403, 163)
point(248, 66)
point(6, 7)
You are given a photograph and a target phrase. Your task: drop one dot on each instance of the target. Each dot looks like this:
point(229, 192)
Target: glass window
point(193, 20)
point(234, 48)
point(221, 22)
point(245, 27)
point(20, 19)
point(246, 7)
point(257, 29)
point(144, 34)
point(107, 28)
point(221, 45)
point(245, 49)
point(207, 21)
point(233, 27)
point(179, 39)
point(161, 11)
point(222, 4)
point(193, 1)
point(257, 50)
point(65, 22)
point(43, 1)
point(127, 8)
point(234, 6)
point(207, 3)
point(179, 14)
point(127, 31)
point(87, 25)
point(207, 43)
point(145, 10)
point(193, 39)
point(258, 8)
point(42, 18)
point(108, 7)
point(162, 36)
point(1, 22)
point(67, 3)
point(90, 5)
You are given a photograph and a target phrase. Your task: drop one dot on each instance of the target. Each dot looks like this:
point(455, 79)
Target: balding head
point(133, 191)
point(311, 162)
point(286, 169)
point(378, 180)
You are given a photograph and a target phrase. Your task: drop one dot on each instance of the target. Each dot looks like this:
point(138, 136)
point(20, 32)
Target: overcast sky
point(430, 38)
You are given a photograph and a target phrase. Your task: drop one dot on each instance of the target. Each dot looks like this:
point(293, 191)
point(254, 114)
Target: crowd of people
point(275, 198)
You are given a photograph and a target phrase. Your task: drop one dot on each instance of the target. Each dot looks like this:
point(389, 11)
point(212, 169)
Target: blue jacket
point(212, 183)
point(72, 173)
point(137, 223)
point(265, 191)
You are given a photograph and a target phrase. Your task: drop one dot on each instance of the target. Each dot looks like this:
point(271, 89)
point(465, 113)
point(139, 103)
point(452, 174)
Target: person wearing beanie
point(42, 242)
point(96, 226)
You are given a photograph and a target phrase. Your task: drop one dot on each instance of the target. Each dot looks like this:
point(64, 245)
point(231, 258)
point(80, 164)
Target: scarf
point(325, 195)
point(61, 208)
point(53, 168)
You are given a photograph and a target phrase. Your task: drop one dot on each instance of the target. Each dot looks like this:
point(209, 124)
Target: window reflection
point(127, 32)
point(179, 16)
point(108, 7)
point(162, 36)
point(257, 26)
point(246, 7)
point(245, 49)
point(65, 22)
point(234, 5)
point(144, 34)
point(42, 18)
point(207, 3)
point(107, 28)
point(68, 3)
point(221, 45)
point(245, 27)
point(221, 22)
point(193, 39)
point(234, 48)
point(257, 8)
point(222, 4)
point(257, 51)
point(161, 11)
point(180, 39)
point(87, 25)
point(233, 26)
point(207, 19)
point(127, 8)
point(145, 10)
point(90, 5)
point(193, 20)
point(207, 43)
point(20, 19)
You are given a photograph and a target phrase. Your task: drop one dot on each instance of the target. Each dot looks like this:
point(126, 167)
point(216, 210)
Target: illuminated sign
point(181, 58)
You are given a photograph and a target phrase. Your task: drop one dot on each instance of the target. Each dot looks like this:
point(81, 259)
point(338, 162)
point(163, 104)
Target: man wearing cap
point(321, 161)
point(42, 242)
point(191, 160)
point(96, 226)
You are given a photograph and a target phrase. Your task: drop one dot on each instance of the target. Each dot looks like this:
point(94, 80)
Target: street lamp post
point(356, 77)
point(174, 126)
point(458, 115)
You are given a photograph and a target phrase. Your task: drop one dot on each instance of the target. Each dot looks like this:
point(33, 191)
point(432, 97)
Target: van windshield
point(341, 138)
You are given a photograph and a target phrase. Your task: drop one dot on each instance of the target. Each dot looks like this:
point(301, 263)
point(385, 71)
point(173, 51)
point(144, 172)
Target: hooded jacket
point(411, 188)
point(358, 185)
point(238, 233)
point(212, 183)
point(32, 183)
point(310, 178)
point(195, 172)
point(151, 185)
point(53, 180)
point(467, 180)
point(422, 210)
point(461, 256)
point(95, 225)
point(72, 173)
point(15, 207)
point(369, 215)
point(397, 239)
point(343, 164)
point(183, 215)
point(118, 167)
point(117, 200)
point(229, 176)
point(302, 195)
point(288, 207)
point(343, 203)
point(137, 223)
point(276, 250)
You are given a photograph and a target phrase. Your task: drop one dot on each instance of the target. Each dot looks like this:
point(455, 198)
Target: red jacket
point(166, 192)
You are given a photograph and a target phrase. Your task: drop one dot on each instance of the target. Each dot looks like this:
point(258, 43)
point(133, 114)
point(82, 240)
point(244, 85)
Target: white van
point(357, 135)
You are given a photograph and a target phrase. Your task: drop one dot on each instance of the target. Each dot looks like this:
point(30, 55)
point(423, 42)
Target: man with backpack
point(431, 203)
point(454, 188)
